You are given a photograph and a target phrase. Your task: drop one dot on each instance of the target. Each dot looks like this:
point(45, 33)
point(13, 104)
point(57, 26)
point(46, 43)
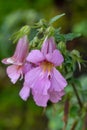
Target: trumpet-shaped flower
point(18, 66)
point(45, 81)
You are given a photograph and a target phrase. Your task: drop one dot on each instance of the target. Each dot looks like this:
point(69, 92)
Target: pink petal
point(41, 85)
point(41, 100)
point(56, 57)
point(11, 60)
point(27, 67)
point(5, 61)
point(48, 46)
point(21, 50)
point(40, 90)
point(25, 93)
point(32, 75)
point(14, 73)
point(35, 56)
point(58, 82)
point(20, 53)
point(55, 96)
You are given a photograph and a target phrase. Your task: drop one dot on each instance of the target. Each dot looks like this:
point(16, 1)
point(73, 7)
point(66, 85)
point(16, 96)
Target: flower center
point(47, 66)
point(19, 67)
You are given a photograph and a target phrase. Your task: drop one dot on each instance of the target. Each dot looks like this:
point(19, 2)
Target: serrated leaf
point(52, 20)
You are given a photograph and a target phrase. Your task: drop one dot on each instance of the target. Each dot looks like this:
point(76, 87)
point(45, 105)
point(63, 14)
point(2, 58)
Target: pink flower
point(18, 66)
point(45, 81)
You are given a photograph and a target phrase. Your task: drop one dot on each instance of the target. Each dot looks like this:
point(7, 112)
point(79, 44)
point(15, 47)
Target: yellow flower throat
point(47, 66)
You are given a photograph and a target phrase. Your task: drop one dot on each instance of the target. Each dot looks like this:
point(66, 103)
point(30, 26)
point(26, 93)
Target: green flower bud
point(75, 53)
point(50, 31)
point(62, 46)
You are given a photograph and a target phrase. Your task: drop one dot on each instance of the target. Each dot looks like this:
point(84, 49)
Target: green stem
point(77, 95)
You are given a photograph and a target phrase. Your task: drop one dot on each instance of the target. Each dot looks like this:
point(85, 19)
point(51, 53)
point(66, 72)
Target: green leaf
point(52, 20)
point(74, 110)
point(69, 75)
point(66, 37)
point(71, 36)
point(33, 33)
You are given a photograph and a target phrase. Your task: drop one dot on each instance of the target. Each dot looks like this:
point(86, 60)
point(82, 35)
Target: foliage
point(75, 115)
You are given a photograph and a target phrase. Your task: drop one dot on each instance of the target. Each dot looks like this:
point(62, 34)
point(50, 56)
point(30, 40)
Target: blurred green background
point(16, 114)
